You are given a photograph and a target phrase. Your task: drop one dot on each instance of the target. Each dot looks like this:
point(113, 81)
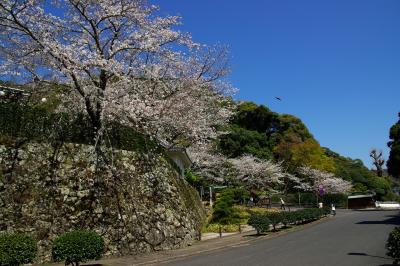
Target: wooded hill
point(257, 130)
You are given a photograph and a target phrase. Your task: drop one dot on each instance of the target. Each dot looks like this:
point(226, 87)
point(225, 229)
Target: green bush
point(275, 218)
point(289, 218)
point(286, 218)
point(308, 199)
point(223, 211)
point(225, 228)
point(17, 249)
point(78, 246)
point(393, 245)
point(308, 215)
point(338, 199)
point(260, 222)
point(390, 196)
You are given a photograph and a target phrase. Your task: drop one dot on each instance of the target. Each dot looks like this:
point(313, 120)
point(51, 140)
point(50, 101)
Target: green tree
point(310, 153)
point(393, 163)
point(242, 141)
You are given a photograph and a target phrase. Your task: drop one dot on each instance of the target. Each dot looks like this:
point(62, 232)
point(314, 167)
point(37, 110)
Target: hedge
point(393, 245)
point(261, 222)
point(78, 246)
point(17, 249)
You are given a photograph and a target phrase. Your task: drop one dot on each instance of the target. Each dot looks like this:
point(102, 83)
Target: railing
point(12, 94)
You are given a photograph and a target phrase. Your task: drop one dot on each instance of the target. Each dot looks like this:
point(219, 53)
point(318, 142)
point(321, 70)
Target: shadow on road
point(365, 254)
point(372, 256)
point(395, 220)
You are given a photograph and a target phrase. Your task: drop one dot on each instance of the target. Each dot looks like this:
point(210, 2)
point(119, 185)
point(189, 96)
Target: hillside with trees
point(393, 164)
point(265, 134)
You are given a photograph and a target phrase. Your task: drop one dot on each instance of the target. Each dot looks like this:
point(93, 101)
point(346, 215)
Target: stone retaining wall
point(139, 204)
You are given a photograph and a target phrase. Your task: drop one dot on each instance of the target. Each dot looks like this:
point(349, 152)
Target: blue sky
point(335, 64)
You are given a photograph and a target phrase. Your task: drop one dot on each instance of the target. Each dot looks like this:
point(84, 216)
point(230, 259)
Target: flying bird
point(279, 99)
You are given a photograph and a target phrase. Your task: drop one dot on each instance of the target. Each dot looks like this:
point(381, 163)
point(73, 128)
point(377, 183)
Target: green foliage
point(393, 163)
point(258, 131)
point(78, 246)
point(390, 196)
point(311, 154)
point(380, 185)
point(308, 215)
point(260, 222)
point(354, 170)
point(359, 188)
point(223, 211)
point(349, 169)
point(393, 245)
point(241, 194)
point(243, 141)
point(16, 249)
point(289, 218)
point(257, 118)
point(39, 124)
point(226, 228)
point(275, 218)
point(191, 178)
point(308, 199)
point(337, 199)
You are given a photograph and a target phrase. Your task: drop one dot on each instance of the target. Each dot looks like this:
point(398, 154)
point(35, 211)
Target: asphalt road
point(351, 238)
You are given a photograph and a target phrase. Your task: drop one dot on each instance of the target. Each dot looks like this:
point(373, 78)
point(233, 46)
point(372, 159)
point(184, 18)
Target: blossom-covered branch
point(120, 61)
point(257, 173)
point(314, 179)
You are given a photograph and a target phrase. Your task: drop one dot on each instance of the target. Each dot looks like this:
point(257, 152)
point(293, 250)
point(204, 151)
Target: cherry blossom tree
point(210, 165)
point(251, 171)
point(118, 61)
point(313, 180)
point(257, 173)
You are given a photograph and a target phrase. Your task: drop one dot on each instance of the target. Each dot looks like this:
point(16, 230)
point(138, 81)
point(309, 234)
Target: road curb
point(205, 247)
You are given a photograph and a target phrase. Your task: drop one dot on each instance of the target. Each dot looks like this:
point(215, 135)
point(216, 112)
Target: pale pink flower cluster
point(120, 61)
point(314, 179)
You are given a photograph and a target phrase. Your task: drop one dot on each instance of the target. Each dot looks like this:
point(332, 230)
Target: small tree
point(260, 222)
point(17, 249)
point(378, 161)
point(276, 218)
point(393, 245)
point(224, 213)
point(78, 246)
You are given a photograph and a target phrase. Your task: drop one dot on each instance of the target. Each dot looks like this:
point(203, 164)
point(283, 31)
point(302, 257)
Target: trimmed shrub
point(289, 218)
point(17, 249)
point(307, 215)
point(275, 218)
point(223, 211)
point(226, 228)
point(260, 222)
point(393, 245)
point(78, 246)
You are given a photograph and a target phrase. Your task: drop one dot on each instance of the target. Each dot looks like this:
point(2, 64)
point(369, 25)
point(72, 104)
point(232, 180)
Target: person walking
point(282, 204)
point(333, 210)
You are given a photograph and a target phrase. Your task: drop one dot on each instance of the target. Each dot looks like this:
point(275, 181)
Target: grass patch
point(243, 213)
